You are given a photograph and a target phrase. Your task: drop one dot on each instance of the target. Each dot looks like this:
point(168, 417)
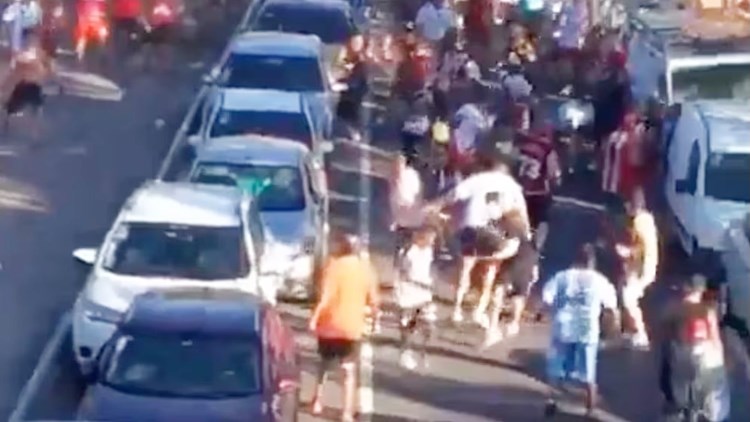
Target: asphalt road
point(63, 194)
point(62, 190)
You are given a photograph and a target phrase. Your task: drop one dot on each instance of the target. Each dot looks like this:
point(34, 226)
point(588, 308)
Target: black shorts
point(25, 95)
point(338, 350)
point(538, 207)
point(479, 241)
point(519, 272)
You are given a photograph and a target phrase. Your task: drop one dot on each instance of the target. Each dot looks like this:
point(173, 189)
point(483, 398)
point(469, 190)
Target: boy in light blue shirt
point(576, 298)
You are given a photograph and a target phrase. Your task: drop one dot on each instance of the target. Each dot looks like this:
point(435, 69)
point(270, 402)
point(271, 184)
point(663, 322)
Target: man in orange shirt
point(349, 287)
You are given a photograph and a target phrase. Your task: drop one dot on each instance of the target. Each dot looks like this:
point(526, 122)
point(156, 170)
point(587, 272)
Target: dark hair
point(586, 256)
point(343, 244)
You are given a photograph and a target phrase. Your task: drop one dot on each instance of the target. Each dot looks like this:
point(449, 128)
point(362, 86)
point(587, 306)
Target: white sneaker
point(492, 338)
point(481, 319)
point(408, 360)
point(458, 316)
point(512, 329)
point(640, 341)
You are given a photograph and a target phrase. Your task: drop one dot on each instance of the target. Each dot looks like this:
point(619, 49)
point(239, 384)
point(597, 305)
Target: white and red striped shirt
point(622, 158)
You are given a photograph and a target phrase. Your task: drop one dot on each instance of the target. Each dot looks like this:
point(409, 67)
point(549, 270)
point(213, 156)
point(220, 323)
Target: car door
point(684, 188)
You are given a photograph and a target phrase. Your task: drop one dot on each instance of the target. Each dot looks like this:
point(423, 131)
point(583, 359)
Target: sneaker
point(640, 341)
point(512, 329)
point(481, 319)
point(458, 316)
point(408, 360)
point(492, 339)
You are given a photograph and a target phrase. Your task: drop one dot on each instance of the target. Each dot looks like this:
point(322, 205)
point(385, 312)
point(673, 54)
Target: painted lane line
point(567, 200)
point(44, 364)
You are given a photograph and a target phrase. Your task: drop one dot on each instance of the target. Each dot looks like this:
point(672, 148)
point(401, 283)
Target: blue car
point(196, 354)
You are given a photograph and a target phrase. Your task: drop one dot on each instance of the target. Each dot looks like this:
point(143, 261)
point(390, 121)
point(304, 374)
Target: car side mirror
point(327, 147)
point(85, 255)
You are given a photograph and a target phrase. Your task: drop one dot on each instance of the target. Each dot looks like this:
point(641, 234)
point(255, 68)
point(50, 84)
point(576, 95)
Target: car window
point(694, 161)
point(716, 82)
point(178, 251)
point(202, 367)
point(276, 187)
point(293, 126)
point(723, 171)
point(332, 26)
point(295, 74)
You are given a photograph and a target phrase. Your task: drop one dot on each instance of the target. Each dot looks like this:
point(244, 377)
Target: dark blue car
point(203, 355)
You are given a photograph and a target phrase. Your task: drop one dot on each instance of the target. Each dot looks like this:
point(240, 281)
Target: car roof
point(273, 43)
point(270, 100)
point(258, 149)
point(195, 310)
point(328, 4)
point(184, 203)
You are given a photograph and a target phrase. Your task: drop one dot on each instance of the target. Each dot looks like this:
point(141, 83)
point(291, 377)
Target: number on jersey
point(530, 168)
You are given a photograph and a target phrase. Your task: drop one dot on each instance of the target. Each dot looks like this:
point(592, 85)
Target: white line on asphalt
point(367, 147)
point(42, 369)
point(579, 203)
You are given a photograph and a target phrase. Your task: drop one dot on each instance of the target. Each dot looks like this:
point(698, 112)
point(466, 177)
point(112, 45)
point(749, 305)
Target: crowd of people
point(473, 83)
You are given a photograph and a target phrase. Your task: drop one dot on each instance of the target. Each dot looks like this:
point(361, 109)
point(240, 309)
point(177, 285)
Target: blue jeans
point(572, 361)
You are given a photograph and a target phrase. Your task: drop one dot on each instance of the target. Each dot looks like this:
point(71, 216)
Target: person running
point(414, 295)
point(693, 371)
point(576, 297)
point(538, 171)
point(349, 288)
point(22, 18)
point(162, 30)
point(488, 195)
point(516, 276)
point(23, 86)
point(641, 255)
point(91, 25)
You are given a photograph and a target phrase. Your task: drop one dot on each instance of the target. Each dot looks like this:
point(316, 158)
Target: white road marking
point(579, 203)
point(42, 369)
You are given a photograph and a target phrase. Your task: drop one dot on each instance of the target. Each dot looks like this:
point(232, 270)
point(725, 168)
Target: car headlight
point(301, 267)
point(99, 313)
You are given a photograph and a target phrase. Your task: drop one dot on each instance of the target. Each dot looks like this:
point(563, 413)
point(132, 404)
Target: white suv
point(167, 235)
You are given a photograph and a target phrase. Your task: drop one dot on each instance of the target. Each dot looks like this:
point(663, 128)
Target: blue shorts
point(572, 361)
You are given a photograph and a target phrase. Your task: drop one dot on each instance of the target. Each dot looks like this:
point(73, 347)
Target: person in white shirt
point(414, 294)
point(469, 123)
point(21, 17)
point(488, 195)
point(405, 197)
point(434, 19)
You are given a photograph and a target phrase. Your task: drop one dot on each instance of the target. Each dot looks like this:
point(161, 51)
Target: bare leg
point(317, 400)
point(518, 304)
point(541, 235)
point(349, 391)
point(590, 398)
point(480, 312)
point(464, 282)
point(631, 298)
point(493, 334)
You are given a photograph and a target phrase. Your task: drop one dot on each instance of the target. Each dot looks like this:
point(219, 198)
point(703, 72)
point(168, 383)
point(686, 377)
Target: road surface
point(64, 193)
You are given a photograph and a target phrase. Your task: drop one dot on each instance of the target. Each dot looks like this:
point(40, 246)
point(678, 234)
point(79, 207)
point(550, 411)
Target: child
point(414, 290)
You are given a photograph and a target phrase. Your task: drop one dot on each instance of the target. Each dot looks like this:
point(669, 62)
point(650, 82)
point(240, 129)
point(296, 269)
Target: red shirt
point(127, 8)
point(163, 12)
point(533, 174)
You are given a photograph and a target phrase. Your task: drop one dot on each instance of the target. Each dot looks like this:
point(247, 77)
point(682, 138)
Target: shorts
point(338, 350)
point(538, 207)
point(572, 361)
point(25, 95)
point(479, 241)
point(161, 34)
point(519, 274)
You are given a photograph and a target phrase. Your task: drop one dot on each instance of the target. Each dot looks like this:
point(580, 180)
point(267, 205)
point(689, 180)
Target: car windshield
point(270, 123)
point(278, 188)
point(719, 82)
point(166, 250)
point(727, 176)
point(168, 365)
point(250, 71)
point(332, 26)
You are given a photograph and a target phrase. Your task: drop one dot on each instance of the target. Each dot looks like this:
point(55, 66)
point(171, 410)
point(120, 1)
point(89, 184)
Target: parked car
point(291, 190)
point(284, 62)
point(167, 235)
point(708, 166)
point(195, 354)
point(234, 111)
point(736, 261)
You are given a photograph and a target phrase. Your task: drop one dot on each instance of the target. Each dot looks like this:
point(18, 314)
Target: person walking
point(349, 287)
point(576, 297)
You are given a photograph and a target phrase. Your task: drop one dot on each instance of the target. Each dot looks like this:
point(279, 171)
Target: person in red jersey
point(91, 24)
point(538, 172)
